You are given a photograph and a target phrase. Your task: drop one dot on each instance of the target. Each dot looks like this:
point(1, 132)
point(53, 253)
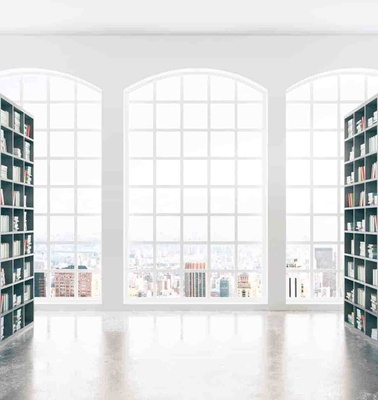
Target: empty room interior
point(188, 200)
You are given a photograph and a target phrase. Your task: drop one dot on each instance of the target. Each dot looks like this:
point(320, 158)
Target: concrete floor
point(189, 356)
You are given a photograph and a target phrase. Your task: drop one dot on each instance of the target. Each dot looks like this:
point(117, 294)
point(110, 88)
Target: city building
point(195, 279)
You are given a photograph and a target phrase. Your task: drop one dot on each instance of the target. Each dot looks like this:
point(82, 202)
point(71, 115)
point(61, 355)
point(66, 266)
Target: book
point(28, 175)
point(16, 173)
point(17, 121)
point(4, 250)
point(16, 248)
point(3, 142)
point(4, 117)
point(2, 277)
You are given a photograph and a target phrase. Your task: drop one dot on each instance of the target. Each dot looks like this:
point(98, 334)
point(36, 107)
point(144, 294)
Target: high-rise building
point(195, 280)
point(224, 287)
point(85, 284)
point(64, 283)
point(40, 284)
point(244, 287)
point(326, 284)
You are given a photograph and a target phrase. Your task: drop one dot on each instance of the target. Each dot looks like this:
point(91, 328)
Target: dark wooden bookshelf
point(17, 216)
point(361, 210)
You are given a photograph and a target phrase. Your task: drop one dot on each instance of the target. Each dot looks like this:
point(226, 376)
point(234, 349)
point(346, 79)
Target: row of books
point(4, 250)
point(362, 149)
point(372, 251)
point(17, 274)
point(360, 125)
point(373, 144)
point(17, 121)
point(361, 202)
point(350, 295)
point(2, 277)
point(375, 277)
point(4, 172)
point(5, 298)
point(373, 223)
point(28, 245)
point(351, 318)
point(372, 120)
point(17, 320)
point(349, 226)
point(27, 269)
point(352, 246)
point(16, 248)
point(25, 221)
point(373, 174)
point(16, 226)
point(4, 117)
point(351, 154)
point(27, 292)
point(17, 300)
point(2, 328)
point(27, 151)
point(16, 201)
point(350, 178)
point(17, 152)
point(28, 175)
point(4, 221)
point(372, 199)
point(361, 174)
point(360, 320)
point(350, 269)
point(360, 225)
point(3, 142)
point(350, 127)
point(373, 302)
point(362, 249)
point(361, 273)
point(350, 199)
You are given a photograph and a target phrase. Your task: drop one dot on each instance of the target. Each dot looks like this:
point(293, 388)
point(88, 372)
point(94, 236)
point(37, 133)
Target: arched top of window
point(194, 82)
point(46, 83)
point(349, 84)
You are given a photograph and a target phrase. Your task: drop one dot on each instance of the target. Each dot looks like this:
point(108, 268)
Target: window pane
point(62, 144)
point(325, 88)
point(222, 172)
point(89, 284)
point(298, 144)
point(140, 172)
point(325, 172)
point(89, 144)
point(140, 284)
point(167, 200)
point(89, 200)
point(88, 228)
point(250, 200)
point(62, 172)
point(249, 172)
point(40, 228)
point(222, 257)
point(195, 116)
point(298, 200)
point(196, 253)
point(62, 89)
point(298, 286)
point(62, 256)
point(140, 229)
point(62, 229)
point(249, 285)
point(250, 228)
point(143, 93)
point(325, 116)
point(35, 87)
point(325, 200)
point(62, 116)
point(249, 144)
point(195, 172)
point(167, 144)
point(325, 256)
point(222, 116)
point(222, 228)
point(195, 87)
point(40, 200)
point(140, 144)
point(167, 116)
point(63, 284)
point(62, 201)
point(89, 255)
point(325, 285)
point(39, 112)
point(250, 116)
point(195, 201)
point(140, 200)
point(302, 92)
point(167, 228)
point(167, 172)
point(89, 116)
point(195, 144)
point(168, 89)
point(298, 256)
point(140, 256)
point(298, 229)
point(352, 87)
point(298, 116)
point(222, 88)
point(195, 228)
point(40, 145)
point(325, 228)
point(11, 87)
point(140, 116)
point(248, 93)
point(298, 172)
point(222, 144)
point(40, 167)
point(89, 172)
point(168, 256)
point(222, 284)
point(168, 284)
point(250, 256)
point(222, 200)
point(40, 282)
point(325, 144)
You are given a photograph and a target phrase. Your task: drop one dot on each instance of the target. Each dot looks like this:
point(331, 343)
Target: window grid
point(311, 270)
point(208, 159)
point(48, 271)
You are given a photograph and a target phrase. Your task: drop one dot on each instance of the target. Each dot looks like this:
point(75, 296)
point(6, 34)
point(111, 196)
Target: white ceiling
point(190, 16)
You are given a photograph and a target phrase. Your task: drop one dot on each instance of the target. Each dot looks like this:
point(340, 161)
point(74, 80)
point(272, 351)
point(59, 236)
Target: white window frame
point(208, 299)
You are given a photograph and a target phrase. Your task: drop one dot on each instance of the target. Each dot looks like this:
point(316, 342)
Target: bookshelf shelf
point(16, 220)
point(361, 219)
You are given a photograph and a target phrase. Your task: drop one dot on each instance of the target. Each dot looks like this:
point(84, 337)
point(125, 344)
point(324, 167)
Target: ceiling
point(191, 16)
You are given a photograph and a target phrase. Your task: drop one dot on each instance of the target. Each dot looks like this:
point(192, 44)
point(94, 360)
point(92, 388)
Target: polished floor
point(189, 356)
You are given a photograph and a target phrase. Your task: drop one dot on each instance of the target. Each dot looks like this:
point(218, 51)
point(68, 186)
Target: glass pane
point(222, 172)
point(140, 144)
point(222, 228)
point(89, 144)
point(325, 200)
point(167, 172)
point(11, 87)
point(88, 228)
point(325, 144)
point(298, 116)
point(89, 255)
point(223, 144)
point(62, 116)
point(140, 116)
point(195, 253)
point(62, 144)
point(222, 200)
point(195, 228)
point(250, 144)
point(195, 87)
point(40, 228)
point(40, 167)
point(168, 144)
point(195, 201)
point(302, 92)
point(222, 284)
point(195, 116)
point(297, 229)
point(62, 201)
point(195, 144)
point(249, 172)
point(298, 144)
point(222, 116)
point(325, 256)
point(168, 256)
point(40, 284)
point(222, 88)
point(325, 116)
point(40, 145)
point(140, 256)
point(140, 229)
point(140, 200)
point(35, 87)
point(62, 256)
point(195, 172)
point(168, 284)
point(298, 285)
point(89, 116)
point(352, 87)
point(250, 116)
point(325, 172)
point(89, 172)
point(325, 285)
point(86, 92)
point(62, 172)
point(167, 228)
point(168, 89)
point(325, 229)
point(63, 284)
point(89, 285)
point(168, 200)
point(372, 86)
point(40, 251)
point(250, 200)
point(168, 116)
point(62, 89)
point(298, 256)
point(249, 285)
point(89, 200)
point(143, 93)
point(40, 200)
point(298, 201)
point(298, 172)
point(140, 172)
point(325, 88)
point(248, 93)
point(140, 284)
point(39, 112)
point(62, 229)
point(195, 284)
point(250, 229)
point(222, 257)
point(250, 256)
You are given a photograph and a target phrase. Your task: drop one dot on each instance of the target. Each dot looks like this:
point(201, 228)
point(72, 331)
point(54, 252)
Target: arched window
point(67, 219)
point(315, 204)
point(195, 180)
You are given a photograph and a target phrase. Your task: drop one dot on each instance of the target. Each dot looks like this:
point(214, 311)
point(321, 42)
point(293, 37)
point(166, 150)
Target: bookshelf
point(360, 218)
point(16, 220)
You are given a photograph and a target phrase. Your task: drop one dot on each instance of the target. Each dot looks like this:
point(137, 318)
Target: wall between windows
point(113, 63)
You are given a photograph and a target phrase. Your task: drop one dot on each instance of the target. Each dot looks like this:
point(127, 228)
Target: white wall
point(113, 63)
